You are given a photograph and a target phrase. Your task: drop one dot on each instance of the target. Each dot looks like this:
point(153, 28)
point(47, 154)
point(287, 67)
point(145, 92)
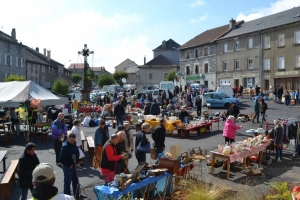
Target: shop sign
point(192, 77)
point(286, 73)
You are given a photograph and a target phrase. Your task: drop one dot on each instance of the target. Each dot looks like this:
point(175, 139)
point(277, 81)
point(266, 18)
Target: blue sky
point(120, 29)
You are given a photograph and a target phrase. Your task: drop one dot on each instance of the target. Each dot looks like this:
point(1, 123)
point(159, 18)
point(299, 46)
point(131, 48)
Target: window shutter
point(17, 63)
point(11, 60)
point(22, 60)
point(0, 58)
point(5, 59)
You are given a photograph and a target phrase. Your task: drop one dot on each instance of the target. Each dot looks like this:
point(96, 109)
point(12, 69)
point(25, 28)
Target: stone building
point(169, 49)
point(131, 68)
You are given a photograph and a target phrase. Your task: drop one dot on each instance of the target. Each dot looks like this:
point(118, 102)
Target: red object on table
point(296, 192)
point(97, 109)
point(253, 158)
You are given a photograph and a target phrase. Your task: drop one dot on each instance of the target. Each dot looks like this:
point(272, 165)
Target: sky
point(120, 29)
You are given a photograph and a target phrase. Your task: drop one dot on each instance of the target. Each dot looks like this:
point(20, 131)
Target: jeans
point(57, 148)
point(70, 176)
point(228, 140)
point(275, 98)
point(24, 193)
point(141, 157)
point(119, 120)
point(278, 152)
point(263, 118)
point(13, 123)
point(287, 102)
point(256, 116)
point(159, 151)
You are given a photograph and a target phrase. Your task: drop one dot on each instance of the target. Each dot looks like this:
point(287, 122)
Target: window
point(225, 45)
point(205, 49)
point(188, 54)
point(267, 64)
point(250, 43)
point(297, 61)
point(48, 69)
point(297, 37)
point(7, 46)
point(187, 70)
point(267, 84)
point(225, 65)
point(196, 53)
point(237, 45)
point(8, 60)
point(150, 76)
point(18, 62)
point(205, 67)
point(125, 68)
point(281, 63)
point(250, 63)
point(237, 64)
point(43, 68)
point(182, 55)
point(196, 69)
point(281, 41)
point(249, 82)
point(165, 75)
point(267, 43)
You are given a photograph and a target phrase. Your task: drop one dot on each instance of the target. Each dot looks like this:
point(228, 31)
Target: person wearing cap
point(59, 130)
point(69, 157)
point(43, 179)
point(233, 110)
point(128, 139)
point(110, 158)
point(147, 108)
point(101, 136)
point(27, 162)
point(119, 113)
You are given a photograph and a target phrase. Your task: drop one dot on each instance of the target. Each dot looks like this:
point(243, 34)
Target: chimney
point(13, 33)
point(232, 24)
point(164, 44)
point(37, 49)
point(48, 54)
point(45, 52)
point(144, 60)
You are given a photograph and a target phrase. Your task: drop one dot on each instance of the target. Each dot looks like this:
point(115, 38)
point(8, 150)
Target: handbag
point(96, 162)
point(144, 149)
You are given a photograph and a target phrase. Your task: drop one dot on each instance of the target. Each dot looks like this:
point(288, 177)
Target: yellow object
point(75, 105)
point(169, 125)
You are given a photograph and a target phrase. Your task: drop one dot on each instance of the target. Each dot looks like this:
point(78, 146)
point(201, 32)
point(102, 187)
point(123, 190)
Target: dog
point(246, 117)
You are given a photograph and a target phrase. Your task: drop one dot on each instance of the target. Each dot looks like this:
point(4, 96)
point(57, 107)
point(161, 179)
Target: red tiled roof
point(76, 66)
point(97, 69)
point(208, 36)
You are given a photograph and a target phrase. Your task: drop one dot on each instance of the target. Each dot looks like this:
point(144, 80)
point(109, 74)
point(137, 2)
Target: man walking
point(70, 151)
point(119, 113)
point(256, 110)
point(159, 135)
point(59, 130)
point(233, 110)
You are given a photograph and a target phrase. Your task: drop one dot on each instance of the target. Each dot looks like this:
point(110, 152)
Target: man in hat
point(233, 110)
point(43, 179)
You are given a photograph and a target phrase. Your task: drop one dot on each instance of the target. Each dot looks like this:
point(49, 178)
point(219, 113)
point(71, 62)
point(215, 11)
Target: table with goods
point(251, 148)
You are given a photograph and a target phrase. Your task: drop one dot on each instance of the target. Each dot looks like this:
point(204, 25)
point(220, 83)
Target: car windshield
point(225, 95)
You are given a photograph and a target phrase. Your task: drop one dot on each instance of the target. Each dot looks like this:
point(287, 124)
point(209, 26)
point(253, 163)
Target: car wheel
point(226, 105)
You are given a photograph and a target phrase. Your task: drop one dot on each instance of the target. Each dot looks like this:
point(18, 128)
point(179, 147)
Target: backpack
point(154, 134)
point(92, 123)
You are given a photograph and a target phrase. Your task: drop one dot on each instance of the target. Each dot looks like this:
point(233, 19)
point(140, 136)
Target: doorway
point(236, 82)
point(206, 83)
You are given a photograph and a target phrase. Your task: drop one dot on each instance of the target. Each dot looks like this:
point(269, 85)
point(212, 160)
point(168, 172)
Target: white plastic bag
point(81, 154)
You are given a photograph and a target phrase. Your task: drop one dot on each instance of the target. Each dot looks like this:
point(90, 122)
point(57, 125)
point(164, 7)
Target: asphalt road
point(89, 177)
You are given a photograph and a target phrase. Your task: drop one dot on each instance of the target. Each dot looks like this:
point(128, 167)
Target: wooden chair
point(8, 179)
point(90, 146)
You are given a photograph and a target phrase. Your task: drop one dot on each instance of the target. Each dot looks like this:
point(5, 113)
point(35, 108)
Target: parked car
point(101, 94)
point(220, 100)
point(197, 86)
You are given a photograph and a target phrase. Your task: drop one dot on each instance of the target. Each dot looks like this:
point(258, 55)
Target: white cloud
point(275, 7)
point(197, 3)
point(199, 19)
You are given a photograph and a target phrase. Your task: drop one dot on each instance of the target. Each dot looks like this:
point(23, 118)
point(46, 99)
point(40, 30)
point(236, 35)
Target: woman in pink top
point(230, 129)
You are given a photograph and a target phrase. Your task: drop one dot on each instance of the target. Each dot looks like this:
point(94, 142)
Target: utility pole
point(85, 93)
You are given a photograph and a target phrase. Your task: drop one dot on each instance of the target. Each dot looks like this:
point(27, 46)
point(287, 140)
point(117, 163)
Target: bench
point(8, 178)
point(90, 146)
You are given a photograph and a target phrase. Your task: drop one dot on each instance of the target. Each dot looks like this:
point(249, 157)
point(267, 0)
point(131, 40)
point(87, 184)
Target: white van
point(226, 89)
point(167, 85)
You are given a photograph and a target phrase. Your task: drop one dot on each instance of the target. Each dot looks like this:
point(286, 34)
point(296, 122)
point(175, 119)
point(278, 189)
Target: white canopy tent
point(15, 92)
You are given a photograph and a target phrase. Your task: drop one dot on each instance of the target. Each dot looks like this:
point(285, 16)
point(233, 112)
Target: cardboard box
point(175, 151)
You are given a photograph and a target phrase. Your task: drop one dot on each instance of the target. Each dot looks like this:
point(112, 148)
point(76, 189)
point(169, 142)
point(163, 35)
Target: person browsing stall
point(128, 140)
point(278, 140)
point(183, 114)
point(141, 138)
point(76, 130)
point(233, 110)
point(101, 136)
point(119, 113)
point(229, 129)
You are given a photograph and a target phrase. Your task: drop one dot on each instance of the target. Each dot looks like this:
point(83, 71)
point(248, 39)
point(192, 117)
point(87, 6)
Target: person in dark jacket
point(280, 93)
point(233, 110)
point(159, 141)
point(278, 140)
point(147, 108)
point(262, 109)
point(27, 162)
point(257, 89)
point(119, 112)
point(141, 138)
point(100, 138)
point(69, 157)
point(59, 131)
point(124, 102)
point(256, 110)
point(183, 114)
point(154, 109)
point(198, 105)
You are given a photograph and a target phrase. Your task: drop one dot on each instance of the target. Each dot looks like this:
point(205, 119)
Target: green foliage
point(170, 76)
point(14, 78)
point(76, 78)
point(60, 86)
point(106, 79)
point(89, 82)
point(282, 191)
point(119, 75)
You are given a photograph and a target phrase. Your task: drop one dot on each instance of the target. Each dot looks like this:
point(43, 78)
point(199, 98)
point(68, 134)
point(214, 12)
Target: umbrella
point(204, 104)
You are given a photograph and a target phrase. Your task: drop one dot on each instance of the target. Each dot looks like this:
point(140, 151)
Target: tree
point(14, 78)
point(89, 82)
point(119, 75)
point(76, 78)
point(106, 79)
point(170, 76)
point(60, 86)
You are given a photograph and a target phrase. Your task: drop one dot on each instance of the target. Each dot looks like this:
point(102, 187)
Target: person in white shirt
point(76, 130)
